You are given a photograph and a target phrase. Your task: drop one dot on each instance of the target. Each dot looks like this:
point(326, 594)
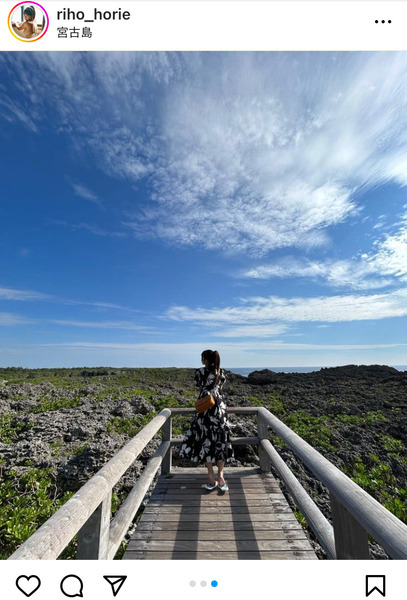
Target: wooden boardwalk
point(250, 521)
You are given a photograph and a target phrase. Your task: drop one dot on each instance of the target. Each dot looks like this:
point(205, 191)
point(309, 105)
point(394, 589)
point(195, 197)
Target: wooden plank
point(217, 501)
point(223, 546)
point(350, 537)
point(202, 492)
point(93, 537)
point(193, 489)
point(251, 521)
point(232, 471)
point(231, 410)
point(194, 483)
point(207, 499)
point(166, 437)
point(264, 555)
point(275, 525)
point(215, 510)
point(201, 518)
point(221, 535)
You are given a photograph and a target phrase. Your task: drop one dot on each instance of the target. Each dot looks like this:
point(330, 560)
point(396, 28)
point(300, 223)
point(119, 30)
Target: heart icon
point(28, 585)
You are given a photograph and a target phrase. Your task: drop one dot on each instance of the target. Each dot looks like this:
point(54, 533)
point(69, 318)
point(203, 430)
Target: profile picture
point(28, 21)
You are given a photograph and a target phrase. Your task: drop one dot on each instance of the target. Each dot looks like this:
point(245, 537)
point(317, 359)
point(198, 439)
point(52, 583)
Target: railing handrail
point(89, 509)
point(386, 528)
point(232, 410)
point(55, 534)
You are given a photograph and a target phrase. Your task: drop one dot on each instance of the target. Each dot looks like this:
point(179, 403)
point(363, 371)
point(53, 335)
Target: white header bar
point(203, 25)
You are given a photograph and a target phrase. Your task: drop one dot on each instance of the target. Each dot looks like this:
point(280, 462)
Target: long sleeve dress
point(208, 438)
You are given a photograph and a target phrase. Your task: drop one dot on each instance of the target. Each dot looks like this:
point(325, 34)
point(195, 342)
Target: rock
point(141, 405)
point(263, 377)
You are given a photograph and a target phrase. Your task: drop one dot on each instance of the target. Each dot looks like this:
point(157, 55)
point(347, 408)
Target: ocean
point(246, 370)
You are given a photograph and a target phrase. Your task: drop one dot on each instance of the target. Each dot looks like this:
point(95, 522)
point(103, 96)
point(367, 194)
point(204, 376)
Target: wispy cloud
point(240, 152)
point(127, 325)
point(252, 331)
point(16, 111)
point(32, 296)
point(10, 320)
point(86, 193)
point(352, 273)
point(91, 228)
point(384, 265)
point(256, 311)
point(390, 257)
point(23, 295)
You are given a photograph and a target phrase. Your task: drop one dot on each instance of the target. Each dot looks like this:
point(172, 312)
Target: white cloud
point(94, 229)
point(356, 274)
point(391, 254)
point(320, 309)
point(383, 266)
point(241, 152)
point(13, 111)
point(24, 295)
point(86, 193)
point(254, 331)
point(127, 325)
point(10, 320)
point(30, 296)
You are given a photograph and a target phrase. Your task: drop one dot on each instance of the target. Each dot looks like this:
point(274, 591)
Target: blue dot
point(214, 583)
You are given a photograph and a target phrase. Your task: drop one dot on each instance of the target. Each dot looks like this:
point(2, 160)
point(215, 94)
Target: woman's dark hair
point(30, 11)
point(213, 358)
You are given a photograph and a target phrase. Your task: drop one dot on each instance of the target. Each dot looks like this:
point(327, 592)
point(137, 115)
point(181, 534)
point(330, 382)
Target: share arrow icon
point(116, 581)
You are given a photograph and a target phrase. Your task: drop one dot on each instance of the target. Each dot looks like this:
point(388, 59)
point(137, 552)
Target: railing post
point(93, 537)
point(263, 434)
point(350, 537)
point(166, 437)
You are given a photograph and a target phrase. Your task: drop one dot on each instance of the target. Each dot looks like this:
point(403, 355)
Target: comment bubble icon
point(72, 586)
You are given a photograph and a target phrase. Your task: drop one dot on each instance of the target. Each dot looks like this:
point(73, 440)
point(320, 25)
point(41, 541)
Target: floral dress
point(208, 438)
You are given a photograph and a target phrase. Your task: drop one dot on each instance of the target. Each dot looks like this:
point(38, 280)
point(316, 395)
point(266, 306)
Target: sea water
point(246, 370)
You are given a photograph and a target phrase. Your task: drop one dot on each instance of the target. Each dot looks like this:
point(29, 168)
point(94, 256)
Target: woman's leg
point(211, 474)
point(221, 466)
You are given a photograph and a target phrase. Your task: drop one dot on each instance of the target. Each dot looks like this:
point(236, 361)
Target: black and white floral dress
point(208, 438)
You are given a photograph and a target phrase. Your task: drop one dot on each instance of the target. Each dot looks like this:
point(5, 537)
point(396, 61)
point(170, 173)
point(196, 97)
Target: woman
point(208, 438)
point(28, 29)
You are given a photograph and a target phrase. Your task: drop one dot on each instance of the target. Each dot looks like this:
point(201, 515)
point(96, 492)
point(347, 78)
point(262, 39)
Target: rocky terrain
point(59, 426)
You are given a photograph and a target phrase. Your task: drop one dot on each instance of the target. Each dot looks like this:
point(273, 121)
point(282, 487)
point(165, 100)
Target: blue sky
point(155, 205)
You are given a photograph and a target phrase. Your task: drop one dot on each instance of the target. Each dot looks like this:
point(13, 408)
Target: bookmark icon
point(116, 582)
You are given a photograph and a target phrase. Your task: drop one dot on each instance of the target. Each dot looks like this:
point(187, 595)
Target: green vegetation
point(369, 418)
point(301, 519)
point(392, 445)
point(11, 427)
point(378, 480)
point(314, 430)
point(26, 501)
point(79, 449)
point(129, 426)
point(48, 404)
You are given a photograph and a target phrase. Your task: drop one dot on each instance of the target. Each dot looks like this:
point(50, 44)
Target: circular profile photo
point(28, 21)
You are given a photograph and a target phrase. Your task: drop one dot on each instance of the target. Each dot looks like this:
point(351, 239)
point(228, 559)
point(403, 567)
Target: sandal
point(211, 486)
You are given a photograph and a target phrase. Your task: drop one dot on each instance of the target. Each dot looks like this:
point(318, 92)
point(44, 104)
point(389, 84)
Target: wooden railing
point(87, 513)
